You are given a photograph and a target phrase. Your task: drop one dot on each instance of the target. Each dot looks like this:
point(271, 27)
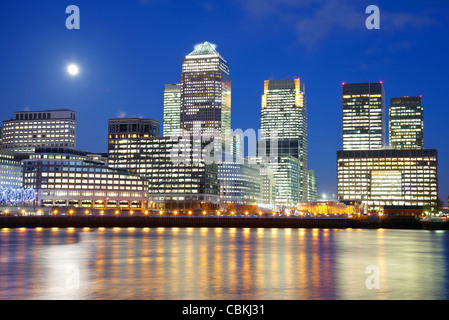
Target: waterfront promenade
point(107, 221)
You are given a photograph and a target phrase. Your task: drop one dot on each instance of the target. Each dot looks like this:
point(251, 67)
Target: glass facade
point(10, 170)
point(240, 183)
point(205, 92)
point(172, 109)
point(71, 178)
point(406, 123)
point(29, 130)
point(284, 132)
point(363, 116)
point(388, 177)
point(124, 141)
point(179, 179)
point(312, 186)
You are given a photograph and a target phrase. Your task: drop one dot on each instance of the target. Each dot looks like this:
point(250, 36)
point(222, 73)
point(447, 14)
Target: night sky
point(128, 49)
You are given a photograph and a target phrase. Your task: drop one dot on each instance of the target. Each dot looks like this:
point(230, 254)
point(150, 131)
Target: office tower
point(172, 109)
point(406, 123)
point(179, 178)
point(312, 186)
point(125, 141)
point(205, 92)
point(1, 137)
point(66, 177)
point(379, 178)
point(284, 133)
point(363, 116)
point(31, 129)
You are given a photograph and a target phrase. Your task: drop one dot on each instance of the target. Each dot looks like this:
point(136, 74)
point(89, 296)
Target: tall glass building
point(284, 136)
point(406, 123)
point(172, 109)
point(205, 92)
point(363, 116)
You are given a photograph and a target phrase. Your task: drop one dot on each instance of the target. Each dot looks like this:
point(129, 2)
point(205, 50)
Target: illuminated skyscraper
point(406, 123)
point(284, 135)
point(363, 116)
point(205, 92)
point(172, 109)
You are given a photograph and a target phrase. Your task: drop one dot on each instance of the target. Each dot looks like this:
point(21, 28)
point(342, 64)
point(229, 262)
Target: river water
point(222, 263)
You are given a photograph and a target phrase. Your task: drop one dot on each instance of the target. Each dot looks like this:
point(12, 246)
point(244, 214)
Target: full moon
point(73, 69)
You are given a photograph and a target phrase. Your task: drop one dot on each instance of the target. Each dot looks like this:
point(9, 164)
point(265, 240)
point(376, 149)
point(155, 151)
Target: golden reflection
point(116, 229)
point(146, 229)
point(38, 229)
point(22, 229)
point(160, 229)
point(54, 229)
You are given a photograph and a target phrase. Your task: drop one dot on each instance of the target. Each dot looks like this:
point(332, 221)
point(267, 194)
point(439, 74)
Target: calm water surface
point(215, 263)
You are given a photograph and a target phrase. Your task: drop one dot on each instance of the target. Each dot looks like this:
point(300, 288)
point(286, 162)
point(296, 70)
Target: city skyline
point(94, 99)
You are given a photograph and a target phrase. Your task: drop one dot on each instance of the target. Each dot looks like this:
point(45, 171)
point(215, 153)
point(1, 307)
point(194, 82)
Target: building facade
point(125, 136)
point(172, 109)
point(240, 183)
point(205, 92)
point(65, 177)
point(406, 123)
point(363, 116)
point(10, 170)
point(178, 176)
point(284, 134)
point(313, 186)
point(379, 178)
point(31, 129)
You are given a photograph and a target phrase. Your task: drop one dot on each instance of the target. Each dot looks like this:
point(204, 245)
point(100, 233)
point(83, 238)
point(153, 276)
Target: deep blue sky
point(129, 49)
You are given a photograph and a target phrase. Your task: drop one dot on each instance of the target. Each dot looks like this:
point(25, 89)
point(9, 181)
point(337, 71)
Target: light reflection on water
point(222, 263)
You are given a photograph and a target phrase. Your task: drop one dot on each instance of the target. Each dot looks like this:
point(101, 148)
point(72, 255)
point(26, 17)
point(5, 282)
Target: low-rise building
point(65, 177)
